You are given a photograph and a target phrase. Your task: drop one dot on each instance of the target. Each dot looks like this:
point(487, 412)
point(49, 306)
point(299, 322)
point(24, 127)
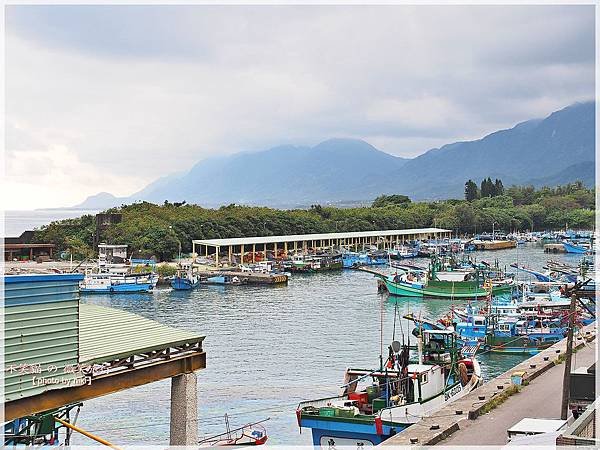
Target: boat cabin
point(112, 254)
point(473, 326)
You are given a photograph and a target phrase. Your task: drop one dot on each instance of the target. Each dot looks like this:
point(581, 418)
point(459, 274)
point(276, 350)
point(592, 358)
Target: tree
point(390, 200)
point(471, 191)
point(498, 187)
point(486, 188)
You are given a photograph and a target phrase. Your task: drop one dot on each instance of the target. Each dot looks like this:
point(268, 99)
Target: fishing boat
point(114, 283)
point(403, 252)
point(115, 274)
point(397, 394)
point(500, 334)
point(224, 279)
point(316, 263)
point(185, 279)
point(247, 435)
point(540, 276)
point(579, 248)
point(415, 284)
point(357, 259)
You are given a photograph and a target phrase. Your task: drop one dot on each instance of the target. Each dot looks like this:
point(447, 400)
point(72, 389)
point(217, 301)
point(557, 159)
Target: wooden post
point(564, 410)
point(275, 250)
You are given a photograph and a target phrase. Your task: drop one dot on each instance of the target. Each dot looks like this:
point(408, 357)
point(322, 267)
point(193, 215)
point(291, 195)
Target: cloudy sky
point(108, 98)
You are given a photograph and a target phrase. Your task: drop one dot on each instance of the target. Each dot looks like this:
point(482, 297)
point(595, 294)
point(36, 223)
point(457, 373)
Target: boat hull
point(309, 268)
point(182, 284)
point(436, 290)
point(327, 433)
point(119, 289)
point(572, 248)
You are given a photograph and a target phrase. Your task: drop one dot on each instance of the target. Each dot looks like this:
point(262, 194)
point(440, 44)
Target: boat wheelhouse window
point(479, 322)
point(504, 327)
point(424, 378)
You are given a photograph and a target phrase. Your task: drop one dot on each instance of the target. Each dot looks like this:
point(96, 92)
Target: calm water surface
point(268, 348)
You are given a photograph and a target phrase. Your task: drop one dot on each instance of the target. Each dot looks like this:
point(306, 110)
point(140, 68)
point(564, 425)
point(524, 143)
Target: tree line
point(158, 230)
point(488, 188)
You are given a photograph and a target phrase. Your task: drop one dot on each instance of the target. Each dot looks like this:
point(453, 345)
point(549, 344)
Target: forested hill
point(157, 230)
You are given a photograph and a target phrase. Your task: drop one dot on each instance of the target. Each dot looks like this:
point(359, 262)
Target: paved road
point(540, 399)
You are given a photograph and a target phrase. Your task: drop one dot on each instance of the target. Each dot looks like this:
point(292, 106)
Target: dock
point(493, 245)
point(240, 248)
point(458, 422)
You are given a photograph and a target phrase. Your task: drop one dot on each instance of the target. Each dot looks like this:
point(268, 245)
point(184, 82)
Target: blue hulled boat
point(185, 279)
point(581, 249)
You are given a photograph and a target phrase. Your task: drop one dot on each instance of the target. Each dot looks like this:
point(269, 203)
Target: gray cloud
point(140, 91)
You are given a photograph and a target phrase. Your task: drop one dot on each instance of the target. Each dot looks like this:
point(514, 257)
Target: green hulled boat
point(399, 285)
point(457, 283)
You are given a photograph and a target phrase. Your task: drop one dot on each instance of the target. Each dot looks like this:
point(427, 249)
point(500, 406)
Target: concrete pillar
point(265, 251)
point(229, 252)
point(217, 256)
point(275, 250)
point(253, 252)
point(242, 254)
point(184, 410)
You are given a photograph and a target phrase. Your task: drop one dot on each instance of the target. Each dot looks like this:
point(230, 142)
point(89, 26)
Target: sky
point(109, 98)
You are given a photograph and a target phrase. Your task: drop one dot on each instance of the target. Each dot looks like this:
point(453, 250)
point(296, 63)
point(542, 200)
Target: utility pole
point(564, 409)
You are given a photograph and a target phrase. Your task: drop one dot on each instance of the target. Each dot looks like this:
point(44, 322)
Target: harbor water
point(270, 347)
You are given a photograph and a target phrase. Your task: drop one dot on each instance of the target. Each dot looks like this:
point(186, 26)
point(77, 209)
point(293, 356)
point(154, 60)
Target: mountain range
point(555, 150)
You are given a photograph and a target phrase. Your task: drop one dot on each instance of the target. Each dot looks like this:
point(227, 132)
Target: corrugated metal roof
point(106, 334)
point(315, 237)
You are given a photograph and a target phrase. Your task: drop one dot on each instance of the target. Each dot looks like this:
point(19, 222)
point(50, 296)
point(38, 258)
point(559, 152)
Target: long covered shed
point(242, 245)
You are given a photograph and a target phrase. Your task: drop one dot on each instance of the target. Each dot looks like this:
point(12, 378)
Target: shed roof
point(315, 237)
point(107, 334)
point(529, 425)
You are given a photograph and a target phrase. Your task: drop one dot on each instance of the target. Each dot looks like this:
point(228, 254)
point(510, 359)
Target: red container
point(362, 397)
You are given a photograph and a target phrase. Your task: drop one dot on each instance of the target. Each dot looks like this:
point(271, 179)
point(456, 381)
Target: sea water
point(270, 347)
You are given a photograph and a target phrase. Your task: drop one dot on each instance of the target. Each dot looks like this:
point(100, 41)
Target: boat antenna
point(395, 313)
point(401, 328)
point(381, 332)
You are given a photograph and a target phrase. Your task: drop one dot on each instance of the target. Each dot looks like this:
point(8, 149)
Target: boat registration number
point(452, 392)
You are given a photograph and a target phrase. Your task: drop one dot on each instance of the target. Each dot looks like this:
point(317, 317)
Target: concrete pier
point(468, 413)
point(184, 410)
